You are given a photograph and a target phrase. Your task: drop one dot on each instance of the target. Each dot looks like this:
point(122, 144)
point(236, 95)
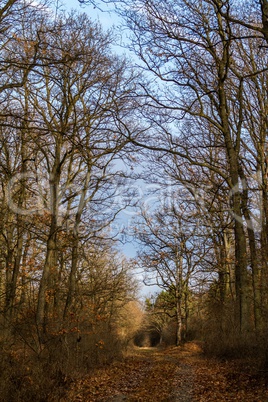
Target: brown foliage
point(173, 374)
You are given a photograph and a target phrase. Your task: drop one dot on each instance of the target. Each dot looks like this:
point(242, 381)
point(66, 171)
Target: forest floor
point(174, 374)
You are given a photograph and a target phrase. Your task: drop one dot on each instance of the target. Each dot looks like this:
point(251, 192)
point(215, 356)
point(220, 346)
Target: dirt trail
point(171, 375)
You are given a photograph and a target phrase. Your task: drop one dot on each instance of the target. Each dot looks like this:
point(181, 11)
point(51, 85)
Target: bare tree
point(192, 52)
point(76, 94)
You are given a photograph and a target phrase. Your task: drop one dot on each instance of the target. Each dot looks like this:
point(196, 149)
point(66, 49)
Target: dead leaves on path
point(139, 379)
point(235, 380)
point(174, 374)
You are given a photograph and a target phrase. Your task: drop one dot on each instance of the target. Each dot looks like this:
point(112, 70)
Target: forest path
point(181, 374)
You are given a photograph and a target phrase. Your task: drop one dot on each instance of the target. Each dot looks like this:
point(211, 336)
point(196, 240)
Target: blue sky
point(106, 19)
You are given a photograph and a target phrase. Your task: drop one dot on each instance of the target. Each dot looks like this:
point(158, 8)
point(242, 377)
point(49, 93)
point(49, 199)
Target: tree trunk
point(50, 266)
point(232, 151)
point(43, 295)
point(75, 259)
point(178, 321)
point(72, 278)
point(253, 256)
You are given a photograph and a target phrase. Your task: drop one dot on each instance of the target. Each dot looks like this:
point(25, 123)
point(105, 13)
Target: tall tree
point(77, 95)
point(64, 126)
point(192, 52)
point(20, 53)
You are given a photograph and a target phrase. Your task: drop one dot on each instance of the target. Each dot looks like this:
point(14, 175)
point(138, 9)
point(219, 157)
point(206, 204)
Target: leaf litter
point(174, 374)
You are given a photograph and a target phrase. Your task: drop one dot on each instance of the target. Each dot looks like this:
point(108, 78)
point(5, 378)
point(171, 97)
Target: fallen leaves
point(174, 374)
